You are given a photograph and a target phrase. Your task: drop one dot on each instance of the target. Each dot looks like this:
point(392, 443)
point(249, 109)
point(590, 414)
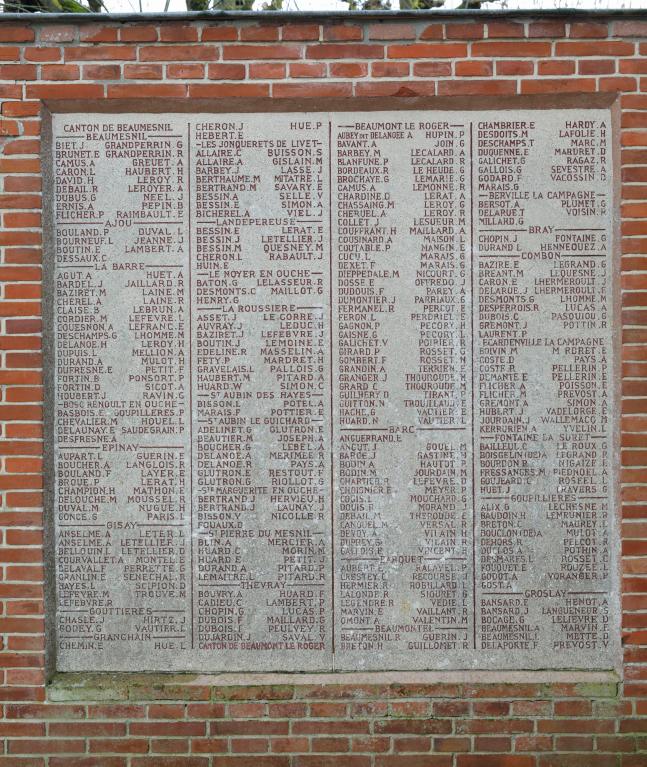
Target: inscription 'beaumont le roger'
point(334, 391)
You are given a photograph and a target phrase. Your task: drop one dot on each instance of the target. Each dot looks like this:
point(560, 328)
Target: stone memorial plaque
point(333, 390)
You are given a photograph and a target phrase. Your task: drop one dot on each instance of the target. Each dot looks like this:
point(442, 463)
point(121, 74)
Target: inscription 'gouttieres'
point(333, 391)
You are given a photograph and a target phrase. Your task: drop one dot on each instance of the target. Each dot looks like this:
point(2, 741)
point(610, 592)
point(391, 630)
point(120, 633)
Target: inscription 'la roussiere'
point(334, 391)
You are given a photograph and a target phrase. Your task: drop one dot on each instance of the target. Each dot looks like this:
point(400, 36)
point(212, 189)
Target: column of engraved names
point(401, 224)
point(438, 389)
point(126, 417)
point(260, 455)
point(542, 365)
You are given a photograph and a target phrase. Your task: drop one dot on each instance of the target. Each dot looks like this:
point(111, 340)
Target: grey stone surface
point(334, 391)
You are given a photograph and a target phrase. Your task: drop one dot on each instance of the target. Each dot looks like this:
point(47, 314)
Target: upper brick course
point(188, 722)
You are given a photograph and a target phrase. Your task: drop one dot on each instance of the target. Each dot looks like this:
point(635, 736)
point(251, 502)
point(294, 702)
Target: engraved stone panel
point(333, 391)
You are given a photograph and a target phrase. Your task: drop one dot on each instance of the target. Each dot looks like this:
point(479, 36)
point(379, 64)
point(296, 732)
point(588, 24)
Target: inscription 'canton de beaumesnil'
point(333, 390)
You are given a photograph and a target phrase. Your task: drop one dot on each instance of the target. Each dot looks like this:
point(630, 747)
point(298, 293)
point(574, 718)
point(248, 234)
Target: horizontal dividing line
point(84, 525)
point(441, 428)
point(168, 611)
point(366, 428)
point(160, 447)
point(581, 229)
point(79, 447)
point(183, 636)
point(164, 266)
point(159, 524)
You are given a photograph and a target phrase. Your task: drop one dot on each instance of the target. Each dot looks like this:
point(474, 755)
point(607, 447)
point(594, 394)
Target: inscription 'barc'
point(333, 391)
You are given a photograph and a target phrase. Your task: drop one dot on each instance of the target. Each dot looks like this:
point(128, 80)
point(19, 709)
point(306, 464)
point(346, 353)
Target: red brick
point(468, 31)
point(262, 52)
point(143, 71)
point(138, 33)
point(318, 760)
point(342, 32)
point(419, 760)
point(390, 68)
point(588, 29)
point(46, 746)
point(97, 33)
point(17, 71)
point(510, 49)
point(500, 29)
point(101, 53)
point(64, 91)
point(267, 71)
point(489, 760)
point(147, 90)
point(476, 87)
point(87, 761)
point(176, 761)
point(395, 88)
point(579, 760)
point(42, 54)
point(178, 33)
point(219, 34)
point(311, 90)
point(473, 68)
point(300, 32)
point(260, 33)
point(209, 745)
point(102, 71)
point(226, 71)
point(349, 69)
point(118, 746)
point(179, 53)
point(16, 34)
point(554, 67)
point(549, 29)
point(581, 85)
point(344, 51)
point(432, 69)
point(597, 48)
point(228, 90)
point(185, 71)
point(392, 31)
point(434, 31)
point(168, 729)
point(250, 745)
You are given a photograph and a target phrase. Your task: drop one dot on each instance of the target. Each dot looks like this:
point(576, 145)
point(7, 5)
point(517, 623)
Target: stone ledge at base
point(86, 686)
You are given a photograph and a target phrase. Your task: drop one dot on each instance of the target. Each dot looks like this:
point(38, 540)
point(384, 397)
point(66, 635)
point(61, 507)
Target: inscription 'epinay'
point(334, 391)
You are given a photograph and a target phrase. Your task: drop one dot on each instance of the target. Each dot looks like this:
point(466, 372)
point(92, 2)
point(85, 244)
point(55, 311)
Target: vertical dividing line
point(332, 412)
point(188, 166)
point(473, 387)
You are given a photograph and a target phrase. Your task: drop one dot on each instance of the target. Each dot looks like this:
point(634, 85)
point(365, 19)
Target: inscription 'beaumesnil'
point(333, 391)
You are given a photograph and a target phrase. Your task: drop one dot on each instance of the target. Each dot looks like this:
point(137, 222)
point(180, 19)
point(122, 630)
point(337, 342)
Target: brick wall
point(188, 722)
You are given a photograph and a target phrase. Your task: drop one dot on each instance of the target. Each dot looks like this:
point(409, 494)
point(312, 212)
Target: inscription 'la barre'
point(333, 391)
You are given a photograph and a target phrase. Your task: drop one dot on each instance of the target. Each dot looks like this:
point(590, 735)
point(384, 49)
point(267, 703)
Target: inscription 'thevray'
point(334, 391)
